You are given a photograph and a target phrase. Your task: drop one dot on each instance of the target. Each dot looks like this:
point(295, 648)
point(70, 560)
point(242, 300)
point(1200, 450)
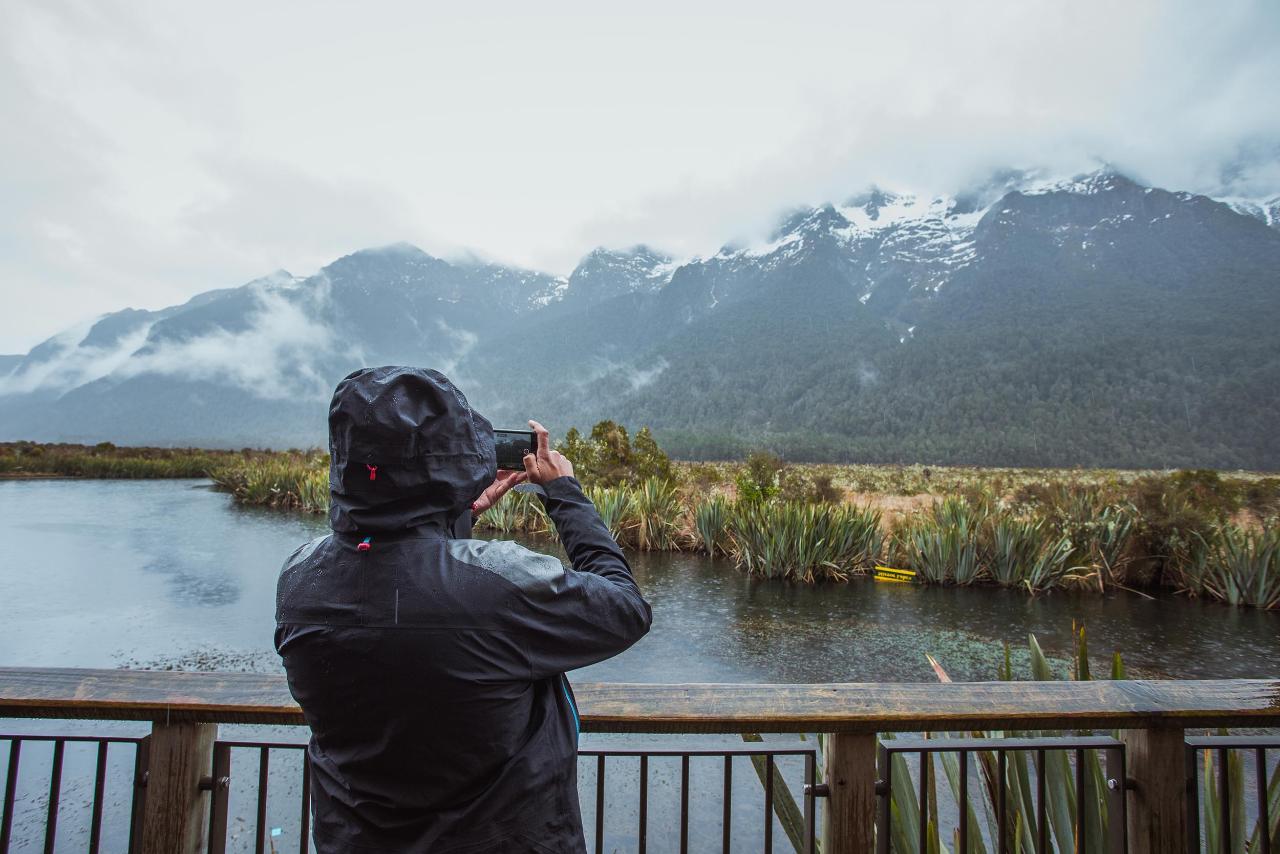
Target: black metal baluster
point(768, 804)
point(264, 771)
point(99, 784)
point(55, 793)
point(727, 819)
point(1192, 784)
point(963, 847)
point(684, 804)
point(884, 793)
point(924, 802)
point(1264, 820)
point(1224, 802)
point(1080, 802)
point(1002, 807)
point(810, 778)
point(141, 758)
point(10, 789)
point(1042, 821)
point(304, 829)
point(600, 804)
point(1117, 832)
point(644, 804)
point(219, 799)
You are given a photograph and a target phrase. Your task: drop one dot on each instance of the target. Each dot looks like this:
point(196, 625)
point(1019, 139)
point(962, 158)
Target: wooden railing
point(185, 708)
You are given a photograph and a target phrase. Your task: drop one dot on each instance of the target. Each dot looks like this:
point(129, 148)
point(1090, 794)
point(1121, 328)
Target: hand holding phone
point(544, 465)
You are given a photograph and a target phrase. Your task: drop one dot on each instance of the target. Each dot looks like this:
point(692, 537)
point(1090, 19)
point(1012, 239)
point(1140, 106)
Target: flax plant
point(710, 520)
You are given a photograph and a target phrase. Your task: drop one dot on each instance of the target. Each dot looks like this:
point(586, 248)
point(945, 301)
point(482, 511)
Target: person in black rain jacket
point(430, 666)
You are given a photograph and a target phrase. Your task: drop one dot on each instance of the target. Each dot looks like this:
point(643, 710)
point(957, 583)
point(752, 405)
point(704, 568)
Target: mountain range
point(1025, 321)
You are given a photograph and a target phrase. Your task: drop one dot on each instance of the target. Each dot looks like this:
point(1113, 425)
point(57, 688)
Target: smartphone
point(511, 446)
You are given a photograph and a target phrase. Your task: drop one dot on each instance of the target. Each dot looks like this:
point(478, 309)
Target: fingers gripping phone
point(511, 446)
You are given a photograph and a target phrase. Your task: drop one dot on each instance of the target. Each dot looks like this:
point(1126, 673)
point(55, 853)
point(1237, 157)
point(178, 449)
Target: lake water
point(172, 574)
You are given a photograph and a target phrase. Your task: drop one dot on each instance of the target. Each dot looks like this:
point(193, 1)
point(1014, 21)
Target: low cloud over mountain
point(1027, 321)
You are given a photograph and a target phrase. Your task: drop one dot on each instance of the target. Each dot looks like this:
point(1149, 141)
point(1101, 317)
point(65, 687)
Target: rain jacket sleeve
point(592, 611)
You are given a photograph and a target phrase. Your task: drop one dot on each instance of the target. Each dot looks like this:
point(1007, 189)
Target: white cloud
point(152, 150)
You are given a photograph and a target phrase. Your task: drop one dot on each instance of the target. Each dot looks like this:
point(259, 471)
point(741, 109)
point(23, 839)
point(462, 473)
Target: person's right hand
point(545, 465)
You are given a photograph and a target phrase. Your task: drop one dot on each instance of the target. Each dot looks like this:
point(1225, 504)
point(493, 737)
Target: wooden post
point(175, 812)
point(851, 807)
point(1155, 761)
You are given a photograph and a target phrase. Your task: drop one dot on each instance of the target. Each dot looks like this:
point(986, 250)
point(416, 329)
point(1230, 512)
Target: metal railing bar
point(924, 801)
point(955, 745)
point(10, 789)
point(810, 778)
point(963, 847)
point(1234, 741)
point(1264, 819)
point(55, 793)
point(684, 805)
point(768, 805)
point(884, 804)
point(264, 772)
point(600, 804)
point(1080, 801)
point(1224, 800)
point(141, 756)
point(1002, 797)
point(1042, 819)
point(113, 739)
point(643, 830)
point(304, 821)
point(726, 819)
point(1192, 788)
point(219, 799)
point(754, 749)
point(99, 786)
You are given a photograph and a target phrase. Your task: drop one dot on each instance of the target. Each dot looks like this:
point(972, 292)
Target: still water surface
point(172, 574)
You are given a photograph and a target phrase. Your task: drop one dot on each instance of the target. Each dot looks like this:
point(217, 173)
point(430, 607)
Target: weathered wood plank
point(174, 813)
point(1157, 809)
point(619, 707)
point(851, 806)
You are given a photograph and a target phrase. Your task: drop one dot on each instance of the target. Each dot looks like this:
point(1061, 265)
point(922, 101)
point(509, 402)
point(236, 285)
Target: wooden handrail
point(170, 696)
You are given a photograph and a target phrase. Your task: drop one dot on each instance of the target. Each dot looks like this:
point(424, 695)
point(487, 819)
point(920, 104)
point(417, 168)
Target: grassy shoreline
point(1197, 533)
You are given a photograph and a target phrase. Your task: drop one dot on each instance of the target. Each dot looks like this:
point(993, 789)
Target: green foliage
point(105, 460)
point(610, 457)
point(658, 512)
point(1243, 567)
point(282, 480)
point(805, 542)
point(758, 479)
point(943, 547)
point(710, 519)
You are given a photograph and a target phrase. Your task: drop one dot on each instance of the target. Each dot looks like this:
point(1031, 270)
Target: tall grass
point(806, 542)
point(1243, 567)
point(943, 547)
point(711, 520)
point(616, 507)
point(279, 481)
point(658, 515)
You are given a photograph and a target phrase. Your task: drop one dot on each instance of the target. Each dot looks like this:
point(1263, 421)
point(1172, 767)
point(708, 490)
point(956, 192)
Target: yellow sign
point(888, 573)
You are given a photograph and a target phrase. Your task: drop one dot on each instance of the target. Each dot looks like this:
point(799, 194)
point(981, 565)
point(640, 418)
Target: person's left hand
point(494, 491)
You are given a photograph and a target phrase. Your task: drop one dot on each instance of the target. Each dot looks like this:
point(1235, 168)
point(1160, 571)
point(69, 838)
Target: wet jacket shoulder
point(431, 672)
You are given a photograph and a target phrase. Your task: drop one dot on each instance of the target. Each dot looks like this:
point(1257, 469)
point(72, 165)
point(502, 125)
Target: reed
point(943, 547)
point(1243, 567)
point(658, 514)
point(806, 542)
point(279, 481)
point(710, 520)
point(616, 507)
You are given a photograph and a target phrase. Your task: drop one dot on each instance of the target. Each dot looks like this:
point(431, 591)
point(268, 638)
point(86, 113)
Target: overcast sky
point(152, 150)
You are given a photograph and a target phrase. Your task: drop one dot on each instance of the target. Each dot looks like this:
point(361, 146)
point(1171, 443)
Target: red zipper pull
point(373, 471)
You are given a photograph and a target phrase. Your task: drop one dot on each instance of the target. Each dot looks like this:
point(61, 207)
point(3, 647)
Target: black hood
point(406, 450)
